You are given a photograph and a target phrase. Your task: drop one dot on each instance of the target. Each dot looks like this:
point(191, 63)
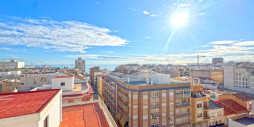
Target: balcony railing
point(183, 124)
point(179, 115)
point(183, 105)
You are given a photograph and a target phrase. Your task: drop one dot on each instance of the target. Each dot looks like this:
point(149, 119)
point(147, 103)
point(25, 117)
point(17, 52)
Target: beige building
point(216, 114)
point(217, 75)
point(12, 65)
point(80, 64)
point(137, 100)
point(199, 105)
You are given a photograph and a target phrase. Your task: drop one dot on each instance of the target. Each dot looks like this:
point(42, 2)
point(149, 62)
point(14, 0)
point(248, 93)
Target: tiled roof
point(63, 77)
point(23, 103)
point(242, 97)
point(231, 107)
point(88, 115)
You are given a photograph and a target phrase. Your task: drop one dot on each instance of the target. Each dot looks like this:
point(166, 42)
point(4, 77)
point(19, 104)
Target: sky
point(112, 32)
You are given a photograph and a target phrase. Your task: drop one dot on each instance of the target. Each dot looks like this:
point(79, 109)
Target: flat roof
point(23, 103)
point(245, 121)
point(63, 77)
point(87, 115)
point(213, 105)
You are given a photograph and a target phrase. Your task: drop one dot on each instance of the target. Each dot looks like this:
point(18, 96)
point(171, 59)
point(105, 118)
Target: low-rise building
point(216, 114)
point(31, 109)
point(241, 120)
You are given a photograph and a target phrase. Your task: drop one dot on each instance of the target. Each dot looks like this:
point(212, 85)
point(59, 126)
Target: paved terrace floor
point(88, 115)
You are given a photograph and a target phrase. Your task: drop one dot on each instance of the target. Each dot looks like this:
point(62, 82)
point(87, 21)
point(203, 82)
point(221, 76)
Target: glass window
point(199, 115)
point(199, 105)
point(155, 105)
point(62, 83)
point(154, 95)
point(155, 115)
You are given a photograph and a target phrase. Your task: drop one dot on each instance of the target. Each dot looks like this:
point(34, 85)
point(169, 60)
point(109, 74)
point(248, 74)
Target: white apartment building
point(31, 109)
point(239, 78)
point(12, 65)
point(80, 64)
point(66, 83)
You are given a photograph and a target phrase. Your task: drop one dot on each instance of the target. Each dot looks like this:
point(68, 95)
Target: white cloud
point(153, 15)
point(237, 51)
point(4, 48)
point(182, 5)
point(148, 37)
point(222, 42)
point(146, 12)
point(69, 36)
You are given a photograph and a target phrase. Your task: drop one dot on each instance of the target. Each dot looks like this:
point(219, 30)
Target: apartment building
point(80, 64)
point(149, 100)
point(240, 78)
point(12, 65)
point(92, 70)
point(199, 105)
point(217, 61)
point(217, 75)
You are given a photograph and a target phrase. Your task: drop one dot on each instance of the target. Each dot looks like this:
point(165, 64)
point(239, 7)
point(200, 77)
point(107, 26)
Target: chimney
point(151, 82)
point(128, 80)
point(147, 81)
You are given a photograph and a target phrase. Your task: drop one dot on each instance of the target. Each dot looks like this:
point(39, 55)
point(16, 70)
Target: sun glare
point(179, 19)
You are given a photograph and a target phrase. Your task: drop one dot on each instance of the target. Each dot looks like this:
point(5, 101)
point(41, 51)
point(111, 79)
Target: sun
point(179, 19)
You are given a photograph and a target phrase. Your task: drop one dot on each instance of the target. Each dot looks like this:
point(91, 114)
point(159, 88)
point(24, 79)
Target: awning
point(122, 121)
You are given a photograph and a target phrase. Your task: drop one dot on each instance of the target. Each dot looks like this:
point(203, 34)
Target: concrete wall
point(69, 83)
point(160, 78)
point(229, 76)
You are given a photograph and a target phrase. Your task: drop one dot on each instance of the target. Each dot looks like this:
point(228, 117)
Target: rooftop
point(231, 107)
point(213, 105)
point(62, 77)
point(245, 121)
point(242, 97)
point(23, 103)
point(88, 115)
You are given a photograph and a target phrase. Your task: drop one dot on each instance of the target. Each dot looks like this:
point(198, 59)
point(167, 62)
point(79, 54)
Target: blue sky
point(119, 31)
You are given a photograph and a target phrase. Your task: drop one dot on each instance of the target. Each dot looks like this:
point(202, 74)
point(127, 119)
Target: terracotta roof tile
point(23, 103)
point(242, 97)
point(88, 115)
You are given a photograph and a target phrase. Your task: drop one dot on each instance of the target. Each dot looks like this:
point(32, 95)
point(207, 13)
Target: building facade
point(31, 109)
point(80, 64)
point(139, 102)
point(12, 65)
point(199, 106)
point(239, 78)
point(217, 61)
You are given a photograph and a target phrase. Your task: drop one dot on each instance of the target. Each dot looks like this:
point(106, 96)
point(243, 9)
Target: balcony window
point(154, 95)
point(155, 125)
point(199, 105)
point(199, 115)
point(155, 105)
point(155, 115)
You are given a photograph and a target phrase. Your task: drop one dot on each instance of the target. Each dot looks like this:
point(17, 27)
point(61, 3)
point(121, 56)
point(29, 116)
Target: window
point(243, 78)
point(242, 83)
point(199, 105)
point(155, 105)
point(155, 125)
point(154, 95)
point(155, 115)
point(236, 82)
point(236, 78)
point(236, 74)
point(171, 94)
point(239, 74)
point(43, 79)
point(199, 115)
point(184, 101)
point(246, 79)
point(62, 83)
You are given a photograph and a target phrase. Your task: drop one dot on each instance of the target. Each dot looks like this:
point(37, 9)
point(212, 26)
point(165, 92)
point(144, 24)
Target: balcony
point(183, 105)
point(206, 117)
point(179, 115)
point(183, 124)
point(183, 95)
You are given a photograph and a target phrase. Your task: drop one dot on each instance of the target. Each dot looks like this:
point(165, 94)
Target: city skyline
point(119, 32)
